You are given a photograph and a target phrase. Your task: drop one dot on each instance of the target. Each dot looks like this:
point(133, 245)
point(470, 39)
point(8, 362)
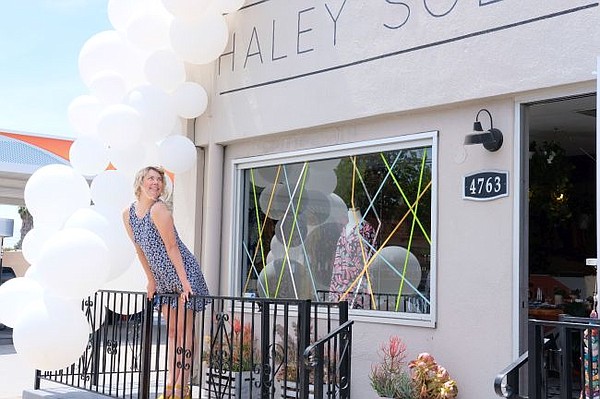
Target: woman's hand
point(151, 288)
point(186, 292)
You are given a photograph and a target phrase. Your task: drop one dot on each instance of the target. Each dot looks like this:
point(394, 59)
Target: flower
point(433, 381)
point(389, 377)
point(235, 351)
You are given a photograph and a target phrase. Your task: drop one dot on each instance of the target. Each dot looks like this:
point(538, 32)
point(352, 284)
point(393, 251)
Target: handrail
point(514, 367)
point(321, 341)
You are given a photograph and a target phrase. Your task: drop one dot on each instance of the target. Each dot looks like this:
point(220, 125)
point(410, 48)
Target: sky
point(40, 41)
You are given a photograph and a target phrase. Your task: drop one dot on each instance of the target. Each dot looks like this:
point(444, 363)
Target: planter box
point(290, 390)
point(225, 384)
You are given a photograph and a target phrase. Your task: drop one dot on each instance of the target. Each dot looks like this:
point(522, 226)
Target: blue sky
point(40, 42)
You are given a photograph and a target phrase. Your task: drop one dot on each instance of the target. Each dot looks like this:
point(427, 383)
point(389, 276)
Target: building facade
point(336, 162)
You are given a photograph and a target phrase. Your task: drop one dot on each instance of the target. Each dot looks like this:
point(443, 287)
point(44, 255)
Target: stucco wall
point(346, 77)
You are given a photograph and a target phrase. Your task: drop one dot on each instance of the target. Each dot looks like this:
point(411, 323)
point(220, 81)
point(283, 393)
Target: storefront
point(334, 165)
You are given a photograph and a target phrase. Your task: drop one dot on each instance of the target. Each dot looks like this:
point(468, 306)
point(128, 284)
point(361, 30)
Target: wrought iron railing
point(330, 360)
point(562, 362)
point(236, 348)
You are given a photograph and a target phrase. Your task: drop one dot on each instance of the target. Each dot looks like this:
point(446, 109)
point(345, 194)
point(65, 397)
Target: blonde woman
point(170, 268)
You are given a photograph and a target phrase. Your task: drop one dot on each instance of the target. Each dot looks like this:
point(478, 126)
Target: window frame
point(239, 165)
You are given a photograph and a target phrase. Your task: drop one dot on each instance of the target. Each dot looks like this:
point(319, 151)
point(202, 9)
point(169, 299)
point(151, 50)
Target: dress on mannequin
point(351, 256)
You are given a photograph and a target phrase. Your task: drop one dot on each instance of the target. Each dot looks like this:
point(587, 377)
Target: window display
point(354, 227)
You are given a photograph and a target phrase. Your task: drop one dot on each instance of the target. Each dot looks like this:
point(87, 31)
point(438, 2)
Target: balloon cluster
point(131, 118)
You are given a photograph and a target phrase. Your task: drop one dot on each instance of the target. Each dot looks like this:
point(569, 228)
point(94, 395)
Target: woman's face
point(152, 185)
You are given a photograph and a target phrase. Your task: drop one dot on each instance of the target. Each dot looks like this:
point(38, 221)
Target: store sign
point(485, 185)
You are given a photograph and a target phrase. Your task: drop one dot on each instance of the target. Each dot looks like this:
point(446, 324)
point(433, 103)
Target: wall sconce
point(491, 139)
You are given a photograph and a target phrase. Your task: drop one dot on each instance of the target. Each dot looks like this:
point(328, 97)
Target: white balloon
point(149, 29)
point(186, 8)
point(156, 110)
point(51, 335)
point(128, 160)
point(121, 11)
point(112, 231)
point(387, 271)
point(111, 190)
point(190, 100)
point(229, 6)
point(34, 242)
point(202, 40)
point(177, 153)
point(54, 192)
point(88, 155)
point(110, 51)
point(15, 296)
point(120, 125)
point(132, 280)
point(165, 69)
point(108, 86)
point(83, 113)
point(73, 263)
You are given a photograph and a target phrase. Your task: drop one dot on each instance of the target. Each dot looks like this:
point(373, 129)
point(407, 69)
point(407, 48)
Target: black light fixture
point(491, 139)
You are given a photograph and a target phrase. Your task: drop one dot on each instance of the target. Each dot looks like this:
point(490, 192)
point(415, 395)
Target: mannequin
point(354, 221)
point(354, 248)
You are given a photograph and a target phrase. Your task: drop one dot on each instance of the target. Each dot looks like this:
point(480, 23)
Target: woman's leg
point(170, 316)
point(185, 347)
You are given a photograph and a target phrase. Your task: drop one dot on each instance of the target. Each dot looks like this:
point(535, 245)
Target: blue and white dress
point(146, 235)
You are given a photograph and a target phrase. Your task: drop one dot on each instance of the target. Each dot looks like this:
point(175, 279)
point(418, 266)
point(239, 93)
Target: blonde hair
point(139, 179)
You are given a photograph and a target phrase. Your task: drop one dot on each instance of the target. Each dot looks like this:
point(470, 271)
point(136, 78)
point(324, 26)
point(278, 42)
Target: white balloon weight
point(190, 100)
point(187, 8)
point(229, 6)
point(108, 86)
point(120, 125)
point(34, 242)
point(164, 69)
point(177, 153)
point(51, 335)
point(54, 192)
point(83, 113)
point(73, 263)
point(156, 109)
point(202, 40)
point(111, 191)
point(392, 265)
point(88, 155)
point(15, 296)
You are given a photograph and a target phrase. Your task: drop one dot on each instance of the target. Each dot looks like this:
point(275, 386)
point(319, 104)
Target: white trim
point(429, 138)
point(516, 269)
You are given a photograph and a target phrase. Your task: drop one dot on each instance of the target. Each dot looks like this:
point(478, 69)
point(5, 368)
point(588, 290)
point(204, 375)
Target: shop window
point(351, 225)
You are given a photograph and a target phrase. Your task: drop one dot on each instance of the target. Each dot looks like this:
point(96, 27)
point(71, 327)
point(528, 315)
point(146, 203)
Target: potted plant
point(432, 380)
point(390, 378)
point(231, 360)
point(288, 372)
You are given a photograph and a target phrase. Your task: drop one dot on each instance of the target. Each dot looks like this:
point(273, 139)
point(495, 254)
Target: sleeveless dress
point(146, 235)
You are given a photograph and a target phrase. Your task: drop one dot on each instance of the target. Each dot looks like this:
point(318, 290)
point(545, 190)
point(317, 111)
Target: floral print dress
point(349, 263)
point(146, 235)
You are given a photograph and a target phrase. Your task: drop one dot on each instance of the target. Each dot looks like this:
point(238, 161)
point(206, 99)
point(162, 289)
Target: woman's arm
point(163, 220)
point(151, 287)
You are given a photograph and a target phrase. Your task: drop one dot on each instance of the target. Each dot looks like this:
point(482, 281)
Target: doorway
point(560, 200)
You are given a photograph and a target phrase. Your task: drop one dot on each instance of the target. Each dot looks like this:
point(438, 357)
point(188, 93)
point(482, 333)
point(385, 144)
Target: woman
point(170, 268)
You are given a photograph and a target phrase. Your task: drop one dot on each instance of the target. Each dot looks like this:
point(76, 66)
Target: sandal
point(187, 392)
point(166, 393)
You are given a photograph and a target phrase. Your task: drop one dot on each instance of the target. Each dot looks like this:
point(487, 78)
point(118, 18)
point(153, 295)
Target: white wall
point(433, 73)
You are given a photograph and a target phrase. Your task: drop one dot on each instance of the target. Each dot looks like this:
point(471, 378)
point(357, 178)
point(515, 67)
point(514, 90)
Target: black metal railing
point(231, 348)
point(409, 303)
point(562, 362)
point(329, 360)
